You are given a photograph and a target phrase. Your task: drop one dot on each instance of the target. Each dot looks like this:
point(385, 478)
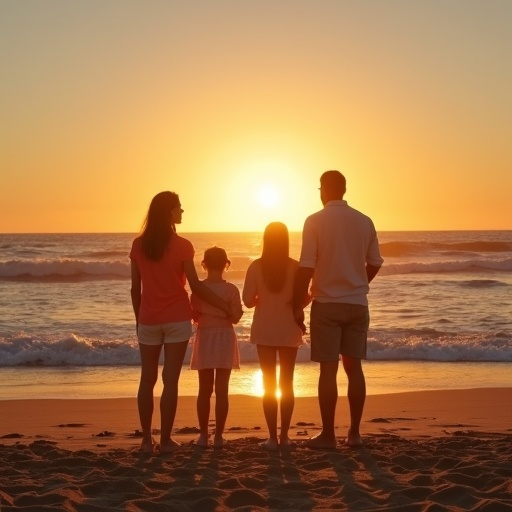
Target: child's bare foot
point(270, 445)
point(353, 440)
point(170, 446)
point(202, 441)
point(219, 442)
point(148, 446)
point(286, 443)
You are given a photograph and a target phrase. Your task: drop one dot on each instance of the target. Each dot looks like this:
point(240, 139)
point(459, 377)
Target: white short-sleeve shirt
point(337, 242)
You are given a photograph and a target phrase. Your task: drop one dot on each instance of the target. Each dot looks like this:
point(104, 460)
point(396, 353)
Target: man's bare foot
point(219, 442)
point(202, 441)
point(321, 442)
point(170, 446)
point(270, 445)
point(353, 440)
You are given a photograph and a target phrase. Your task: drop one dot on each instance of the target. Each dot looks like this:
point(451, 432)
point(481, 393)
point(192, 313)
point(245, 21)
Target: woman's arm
point(301, 296)
point(135, 291)
point(201, 290)
point(249, 290)
point(195, 305)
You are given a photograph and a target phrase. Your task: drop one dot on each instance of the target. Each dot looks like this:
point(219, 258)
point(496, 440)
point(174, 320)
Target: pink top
point(164, 297)
point(215, 344)
point(273, 322)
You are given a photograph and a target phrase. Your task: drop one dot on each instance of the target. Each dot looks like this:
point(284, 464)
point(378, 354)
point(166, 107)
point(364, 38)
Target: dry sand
point(423, 451)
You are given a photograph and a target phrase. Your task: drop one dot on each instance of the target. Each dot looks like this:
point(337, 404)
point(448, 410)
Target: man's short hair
point(334, 182)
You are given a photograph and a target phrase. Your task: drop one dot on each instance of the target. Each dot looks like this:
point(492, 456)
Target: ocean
point(441, 314)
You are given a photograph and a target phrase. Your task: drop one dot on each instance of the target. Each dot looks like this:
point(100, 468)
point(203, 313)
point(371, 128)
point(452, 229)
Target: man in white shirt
point(340, 256)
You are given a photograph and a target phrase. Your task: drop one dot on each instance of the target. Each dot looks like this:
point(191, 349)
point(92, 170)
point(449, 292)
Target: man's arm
point(371, 271)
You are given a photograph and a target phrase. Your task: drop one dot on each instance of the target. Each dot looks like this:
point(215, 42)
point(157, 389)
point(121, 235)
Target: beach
point(437, 426)
point(428, 450)
point(138, 136)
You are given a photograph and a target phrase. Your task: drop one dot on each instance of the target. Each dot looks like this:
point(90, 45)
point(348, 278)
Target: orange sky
point(104, 104)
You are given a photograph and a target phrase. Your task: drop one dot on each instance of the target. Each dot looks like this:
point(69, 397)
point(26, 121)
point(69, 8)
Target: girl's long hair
point(275, 256)
point(158, 226)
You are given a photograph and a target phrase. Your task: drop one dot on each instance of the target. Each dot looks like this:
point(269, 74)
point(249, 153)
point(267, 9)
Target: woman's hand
point(299, 319)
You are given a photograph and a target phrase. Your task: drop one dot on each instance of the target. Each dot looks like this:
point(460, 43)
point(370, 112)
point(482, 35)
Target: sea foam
point(117, 269)
point(23, 349)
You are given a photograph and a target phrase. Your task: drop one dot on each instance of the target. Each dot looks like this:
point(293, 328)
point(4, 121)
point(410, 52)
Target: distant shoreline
point(135, 233)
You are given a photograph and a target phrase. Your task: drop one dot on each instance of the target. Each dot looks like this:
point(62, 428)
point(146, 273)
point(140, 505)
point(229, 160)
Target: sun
point(268, 196)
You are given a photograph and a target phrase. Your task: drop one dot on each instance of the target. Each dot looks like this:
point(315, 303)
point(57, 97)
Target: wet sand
point(430, 450)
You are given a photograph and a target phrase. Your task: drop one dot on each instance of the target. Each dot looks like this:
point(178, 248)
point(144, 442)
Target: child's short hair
point(216, 258)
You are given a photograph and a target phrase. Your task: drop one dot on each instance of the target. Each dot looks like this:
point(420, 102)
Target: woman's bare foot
point(270, 445)
point(203, 440)
point(321, 442)
point(170, 446)
point(219, 442)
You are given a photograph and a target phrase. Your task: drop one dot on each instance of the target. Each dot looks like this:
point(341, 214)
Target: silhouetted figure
point(340, 256)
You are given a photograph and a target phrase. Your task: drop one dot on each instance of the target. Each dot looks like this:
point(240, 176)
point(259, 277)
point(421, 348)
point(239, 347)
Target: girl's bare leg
point(222, 376)
point(267, 357)
point(287, 357)
point(206, 378)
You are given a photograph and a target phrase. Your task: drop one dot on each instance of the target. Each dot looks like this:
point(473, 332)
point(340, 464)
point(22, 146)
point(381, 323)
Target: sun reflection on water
point(257, 383)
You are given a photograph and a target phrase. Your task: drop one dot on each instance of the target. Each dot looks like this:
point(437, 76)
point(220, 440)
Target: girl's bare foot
point(202, 441)
point(170, 446)
point(219, 442)
point(148, 446)
point(286, 442)
point(353, 440)
point(270, 445)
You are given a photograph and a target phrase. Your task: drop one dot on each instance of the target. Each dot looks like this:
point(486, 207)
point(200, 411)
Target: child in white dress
point(215, 346)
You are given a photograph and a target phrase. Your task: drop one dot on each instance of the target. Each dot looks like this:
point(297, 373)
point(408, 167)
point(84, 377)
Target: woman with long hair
point(161, 263)
point(268, 287)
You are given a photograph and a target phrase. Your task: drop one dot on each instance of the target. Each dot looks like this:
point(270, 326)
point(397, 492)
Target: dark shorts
point(338, 329)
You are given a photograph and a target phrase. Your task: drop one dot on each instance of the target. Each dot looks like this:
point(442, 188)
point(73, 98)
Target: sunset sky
point(239, 106)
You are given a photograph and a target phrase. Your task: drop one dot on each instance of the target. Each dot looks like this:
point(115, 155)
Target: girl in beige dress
point(268, 288)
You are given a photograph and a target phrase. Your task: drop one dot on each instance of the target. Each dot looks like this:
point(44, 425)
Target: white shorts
point(174, 332)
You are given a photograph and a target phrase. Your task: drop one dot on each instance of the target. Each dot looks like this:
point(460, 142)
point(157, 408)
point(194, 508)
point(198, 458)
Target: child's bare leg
point(267, 356)
point(221, 404)
point(287, 356)
point(206, 378)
